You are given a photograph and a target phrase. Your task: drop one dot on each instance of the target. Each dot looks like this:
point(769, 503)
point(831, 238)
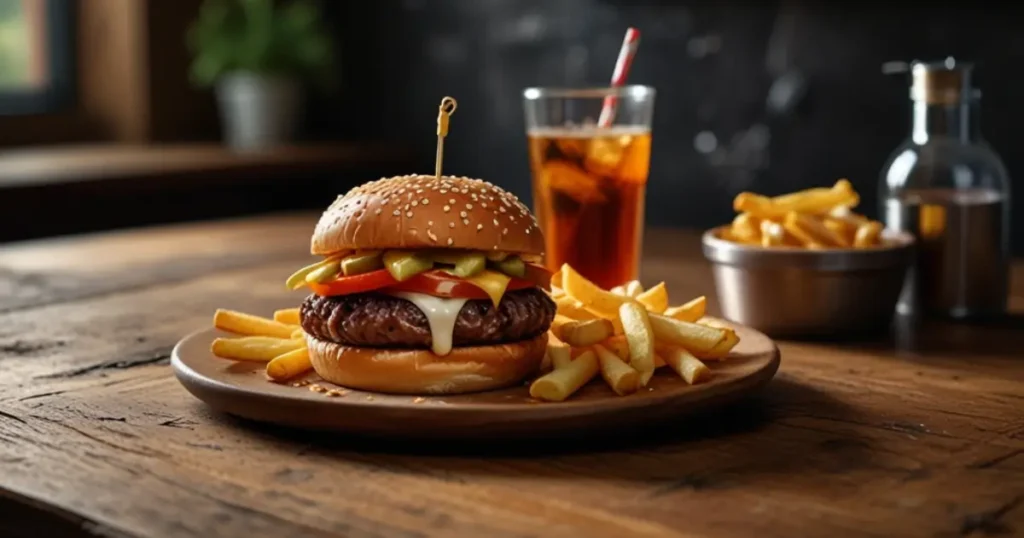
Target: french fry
point(621, 377)
point(634, 288)
point(640, 337)
point(619, 346)
point(561, 383)
point(558, 322)
point(556, 280)
point(618, 290)
point(867, 234)
point(586, 332)
point(655, 298)
point(691, 311)
point(288, 316)
point(601, 302)
point(746, 228)
point(254, 348)
point(248, 324)
point(571, 308)
point(692, 336)
point(289, 365)
point(816, 201)
point(722, 349)
point(772, 234)
point(813, 228)
point(558, 351)
point(686, 365)
point(299, 333)
point(557, 292)
point(841, 228)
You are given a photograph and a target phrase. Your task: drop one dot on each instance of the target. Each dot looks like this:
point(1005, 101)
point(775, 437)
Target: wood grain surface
point(918, 435)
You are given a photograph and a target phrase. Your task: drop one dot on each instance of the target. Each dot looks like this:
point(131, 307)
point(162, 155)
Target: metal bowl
point(794, 292)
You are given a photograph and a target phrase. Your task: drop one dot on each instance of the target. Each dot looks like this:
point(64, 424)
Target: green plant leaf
point(260, 36)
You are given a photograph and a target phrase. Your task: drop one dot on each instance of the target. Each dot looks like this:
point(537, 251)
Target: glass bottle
point(950, 189)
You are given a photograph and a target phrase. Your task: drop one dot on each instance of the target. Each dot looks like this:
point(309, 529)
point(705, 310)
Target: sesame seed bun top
point(420, 211)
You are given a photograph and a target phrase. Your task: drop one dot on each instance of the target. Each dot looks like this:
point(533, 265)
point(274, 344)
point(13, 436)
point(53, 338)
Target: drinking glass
point(590, 152)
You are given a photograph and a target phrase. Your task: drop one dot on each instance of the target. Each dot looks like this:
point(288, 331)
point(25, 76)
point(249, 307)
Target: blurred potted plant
point(258, 55)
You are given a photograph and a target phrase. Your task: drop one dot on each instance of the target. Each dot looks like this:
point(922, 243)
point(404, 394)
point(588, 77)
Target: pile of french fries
point(624, 334)
point(278, 342)
point(818, 218)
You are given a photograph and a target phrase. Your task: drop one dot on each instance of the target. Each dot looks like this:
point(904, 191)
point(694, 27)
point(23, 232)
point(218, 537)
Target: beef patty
point(379, 320)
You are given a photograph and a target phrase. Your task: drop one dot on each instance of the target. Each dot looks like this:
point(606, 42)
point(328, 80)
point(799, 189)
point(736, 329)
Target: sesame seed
point(430, 223)
point(415, 203)
point(483, 205)
point(408, 213)
point(511, 218)
point(401, 191)
point(377, 211)
point(502, 209)
point(396, 212)
point(424, 201)
point(469, 206)
point(479, 227)
point(504, 232)
point(450, 241)
point(462, 214)
point(443, 191)
point(495, 221)
point(447, 208)
point(465, 222)
point(385, 202)
point(419, 191)
point(451, 201)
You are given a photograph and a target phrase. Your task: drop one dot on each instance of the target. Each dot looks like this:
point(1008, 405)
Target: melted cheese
point(441, 314)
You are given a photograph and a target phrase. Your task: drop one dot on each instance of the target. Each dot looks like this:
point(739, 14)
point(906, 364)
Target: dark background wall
point(791, 93)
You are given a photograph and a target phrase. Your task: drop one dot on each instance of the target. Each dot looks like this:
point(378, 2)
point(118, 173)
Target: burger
point(427, 286)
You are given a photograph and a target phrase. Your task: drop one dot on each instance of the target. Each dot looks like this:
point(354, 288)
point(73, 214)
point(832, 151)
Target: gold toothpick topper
point(448, 106)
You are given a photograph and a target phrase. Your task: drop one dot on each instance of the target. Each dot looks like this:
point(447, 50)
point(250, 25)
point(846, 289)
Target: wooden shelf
point(34, 167)
point(58, 191)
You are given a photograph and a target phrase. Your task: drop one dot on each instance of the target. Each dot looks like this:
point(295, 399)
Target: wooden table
point(919, 436)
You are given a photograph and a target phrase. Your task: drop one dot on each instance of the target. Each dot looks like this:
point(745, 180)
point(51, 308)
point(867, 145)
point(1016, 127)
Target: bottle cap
point(940, 83)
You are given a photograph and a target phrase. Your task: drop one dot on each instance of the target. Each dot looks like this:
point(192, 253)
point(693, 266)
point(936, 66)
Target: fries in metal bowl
point(818, 218)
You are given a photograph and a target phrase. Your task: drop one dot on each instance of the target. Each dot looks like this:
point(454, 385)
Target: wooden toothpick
point(448, 106)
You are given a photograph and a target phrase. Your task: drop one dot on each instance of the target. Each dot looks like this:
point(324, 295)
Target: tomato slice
point(539, 275)
point(347, 285)
point(437, 283)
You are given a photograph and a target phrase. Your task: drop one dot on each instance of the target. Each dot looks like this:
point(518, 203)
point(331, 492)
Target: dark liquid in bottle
point(962, 265)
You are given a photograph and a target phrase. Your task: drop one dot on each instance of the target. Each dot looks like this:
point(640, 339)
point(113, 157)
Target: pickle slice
point(326, 272)
point(512, 266)
point(298, 278)
point(362, 262)
point(404, 265)
point(470, 265)
point(466, 264)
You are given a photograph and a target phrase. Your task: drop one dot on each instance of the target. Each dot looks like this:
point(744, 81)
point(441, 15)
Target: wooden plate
point(243, 390)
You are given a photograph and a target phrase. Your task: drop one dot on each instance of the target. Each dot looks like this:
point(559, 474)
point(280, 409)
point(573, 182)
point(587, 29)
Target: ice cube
point(567, 179)
point(604, 154)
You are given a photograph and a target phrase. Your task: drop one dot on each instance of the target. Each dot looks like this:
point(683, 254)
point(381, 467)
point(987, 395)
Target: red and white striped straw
point(629, 45)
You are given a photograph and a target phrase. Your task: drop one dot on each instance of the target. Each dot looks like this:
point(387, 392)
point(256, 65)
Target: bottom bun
point(419, 371)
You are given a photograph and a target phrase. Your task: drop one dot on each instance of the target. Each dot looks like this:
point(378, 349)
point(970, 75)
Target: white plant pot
point(257, 111)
